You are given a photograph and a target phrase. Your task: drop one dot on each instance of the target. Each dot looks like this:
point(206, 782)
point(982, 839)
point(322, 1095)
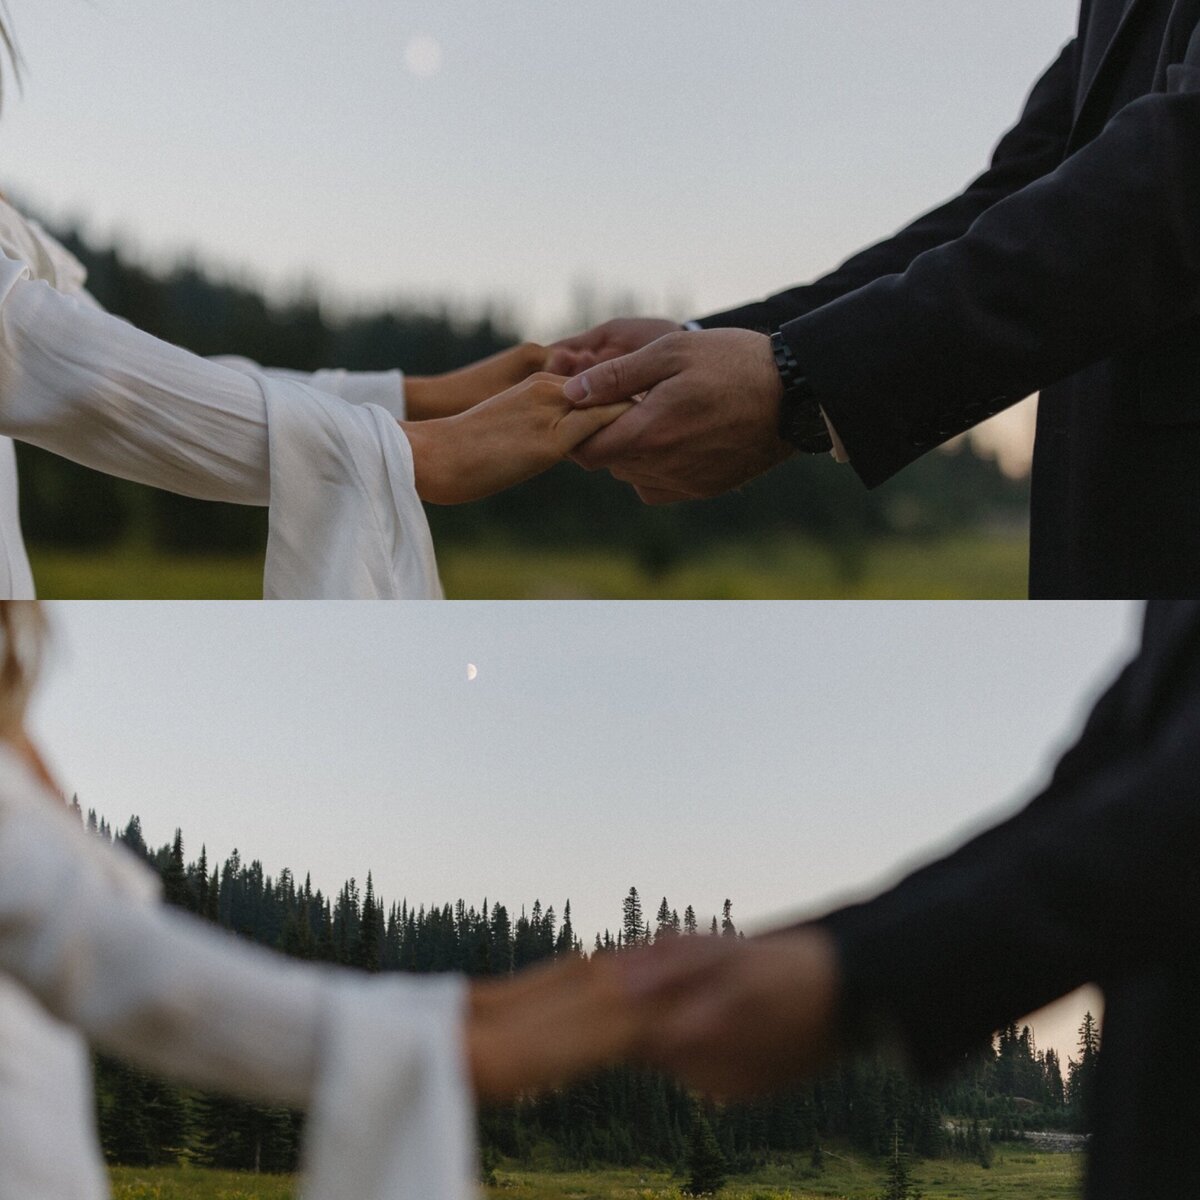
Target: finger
point(590, 339)
point(582, 423)
point(626, 377)
point(564, 361)
point(615, 443)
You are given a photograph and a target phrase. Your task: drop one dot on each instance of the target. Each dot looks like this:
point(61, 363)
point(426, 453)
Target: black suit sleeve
point(1034, 147)
point(1092, 881)
point(1101, 256)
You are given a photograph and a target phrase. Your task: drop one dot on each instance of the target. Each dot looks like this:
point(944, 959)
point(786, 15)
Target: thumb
point(579, 424)
point(624, 378)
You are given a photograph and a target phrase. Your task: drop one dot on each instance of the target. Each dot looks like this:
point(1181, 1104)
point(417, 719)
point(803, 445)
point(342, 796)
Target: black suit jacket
point(1072, 266)
point(1097, 880)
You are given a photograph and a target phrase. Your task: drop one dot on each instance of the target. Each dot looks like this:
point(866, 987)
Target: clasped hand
point(698, 414)
point(493, 425)
point(708, 416)
point(732, 1017)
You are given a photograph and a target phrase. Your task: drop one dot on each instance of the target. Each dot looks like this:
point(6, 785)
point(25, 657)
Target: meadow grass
point(969, 568)
point(196, 1183)
point(1014, 1173)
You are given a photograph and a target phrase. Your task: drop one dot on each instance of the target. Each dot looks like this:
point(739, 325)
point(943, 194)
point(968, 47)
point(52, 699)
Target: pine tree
point(689, 920)
point(706, 1166)
point(666, 924)
point(565, 944)
point(1081, 1074)
point(728, 929)
point(201, 882)
point(633, 927)
point(1055, 1093)
point(132, 837)
point(370, 931)
point(899, 1184)
point(174, 876)
point(212, 904)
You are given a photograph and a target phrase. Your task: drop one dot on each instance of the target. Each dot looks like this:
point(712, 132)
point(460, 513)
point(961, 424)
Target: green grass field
point(975, 568)
point(1013, 1174)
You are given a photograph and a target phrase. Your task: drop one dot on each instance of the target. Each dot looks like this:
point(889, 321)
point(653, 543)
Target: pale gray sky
point(699, 154)
point(693, 155)
point(777, 754)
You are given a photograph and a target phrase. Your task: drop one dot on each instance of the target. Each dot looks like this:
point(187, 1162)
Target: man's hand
point(708, 422)
point(428, 397)
point(614, 338)
point(737, 1018)
point(501, 442)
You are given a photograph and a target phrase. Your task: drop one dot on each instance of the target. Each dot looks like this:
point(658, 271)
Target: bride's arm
point(416, 397)
point(92, 388)
point(379, 1062)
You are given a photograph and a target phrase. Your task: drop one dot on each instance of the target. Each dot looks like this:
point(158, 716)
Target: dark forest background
point(68, 506)
point(624, 1117)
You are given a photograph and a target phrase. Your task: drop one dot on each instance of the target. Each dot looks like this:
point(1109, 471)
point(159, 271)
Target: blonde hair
point(23, 634)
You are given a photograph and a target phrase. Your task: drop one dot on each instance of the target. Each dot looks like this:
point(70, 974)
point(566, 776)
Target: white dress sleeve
point(377, 1061)
point(382, 388)
point(345, 522)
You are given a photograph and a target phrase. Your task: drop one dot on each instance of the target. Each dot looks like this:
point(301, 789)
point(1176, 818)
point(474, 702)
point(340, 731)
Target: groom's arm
point(1100, 257)
point(1093, 882)
point(1031, 149)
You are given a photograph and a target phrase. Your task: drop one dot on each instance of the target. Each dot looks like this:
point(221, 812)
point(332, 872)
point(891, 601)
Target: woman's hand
point(432, 396)
point(549, 1025)
point(501, 442)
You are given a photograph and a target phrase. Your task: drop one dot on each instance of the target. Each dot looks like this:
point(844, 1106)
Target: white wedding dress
point(324, 451)
point(88, 950)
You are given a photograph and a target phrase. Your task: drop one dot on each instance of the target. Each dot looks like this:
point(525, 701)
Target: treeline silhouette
point(622, 1116)
point(66, 505)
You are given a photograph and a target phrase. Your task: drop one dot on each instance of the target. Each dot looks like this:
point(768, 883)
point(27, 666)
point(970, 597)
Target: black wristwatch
point(801, 421)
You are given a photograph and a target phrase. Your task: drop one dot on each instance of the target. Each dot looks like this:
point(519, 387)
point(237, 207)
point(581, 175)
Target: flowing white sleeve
point(89, 386)
point(382, 388)
point(378, 1061)
point(345, 522)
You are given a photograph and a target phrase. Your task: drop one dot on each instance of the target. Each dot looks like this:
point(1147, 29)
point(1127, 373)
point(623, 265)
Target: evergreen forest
point(623, 1117)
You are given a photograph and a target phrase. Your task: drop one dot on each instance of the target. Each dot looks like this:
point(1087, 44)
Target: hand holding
point(501, 442)
point(623, 335)
point(738, 1017)
point(548, 1025)
point(432, 396)
point(708, 422)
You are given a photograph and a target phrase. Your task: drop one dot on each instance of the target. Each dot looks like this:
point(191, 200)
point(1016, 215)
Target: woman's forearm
point(88, 386)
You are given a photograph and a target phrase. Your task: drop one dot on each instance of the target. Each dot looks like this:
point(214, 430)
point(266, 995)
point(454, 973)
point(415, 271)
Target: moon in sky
point(423, 56)
point(472, 671)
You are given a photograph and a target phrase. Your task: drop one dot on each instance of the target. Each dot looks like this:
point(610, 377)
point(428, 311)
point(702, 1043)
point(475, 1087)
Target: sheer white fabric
point(86, 945)
point(324, 450)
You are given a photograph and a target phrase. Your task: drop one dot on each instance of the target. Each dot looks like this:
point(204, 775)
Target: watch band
point(801, 421)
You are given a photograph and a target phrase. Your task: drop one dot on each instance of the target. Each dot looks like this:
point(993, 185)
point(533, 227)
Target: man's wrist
point(801, 421)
